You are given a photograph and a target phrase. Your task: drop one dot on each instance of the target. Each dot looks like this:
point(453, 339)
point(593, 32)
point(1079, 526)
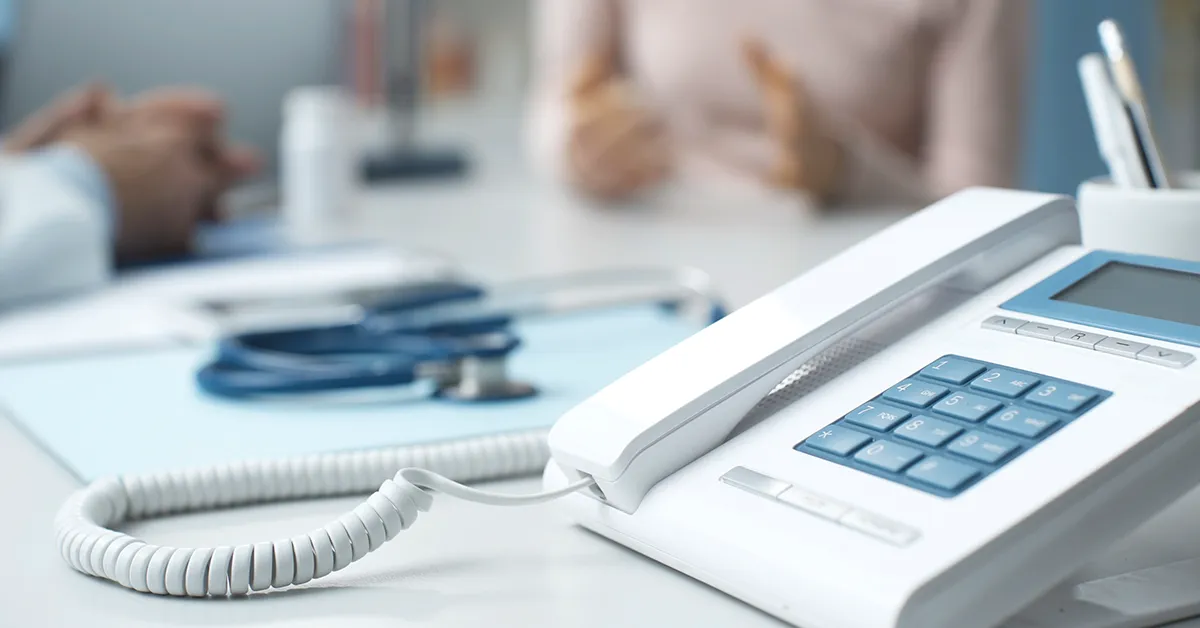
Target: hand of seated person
point(616, 147)
point(808, 157)
point(163, 154)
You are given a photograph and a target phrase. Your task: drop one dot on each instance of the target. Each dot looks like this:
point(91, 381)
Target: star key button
point(836, 440)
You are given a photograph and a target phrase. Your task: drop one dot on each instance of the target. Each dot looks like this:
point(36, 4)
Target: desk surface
point(459, 566)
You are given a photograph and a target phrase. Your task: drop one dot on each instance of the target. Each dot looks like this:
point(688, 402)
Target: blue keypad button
point(982, 447)
point(939, 472)
point(966, 406)
point(837, 440)
point(888, 456)
point(953, 370)
point(877, 416)
point(1022, 422)
point(928, 431)
point(1005, 382)
point(1060, 396)
point(915, 393)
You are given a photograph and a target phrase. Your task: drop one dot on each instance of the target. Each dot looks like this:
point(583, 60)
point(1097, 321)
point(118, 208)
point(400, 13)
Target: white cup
point(1143, 221)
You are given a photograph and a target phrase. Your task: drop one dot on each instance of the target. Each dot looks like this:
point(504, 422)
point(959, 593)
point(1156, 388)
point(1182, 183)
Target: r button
point(1077, 338)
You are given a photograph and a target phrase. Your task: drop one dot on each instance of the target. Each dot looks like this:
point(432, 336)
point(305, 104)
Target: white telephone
point(929, 430)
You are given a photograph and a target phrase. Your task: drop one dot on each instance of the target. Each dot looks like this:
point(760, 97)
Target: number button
point(1022, 422)
point(942, 473)
point(1060, 396)
point(953, 370)
point(838, 441)
point(915, 393)
point(1005, 382)
point(888, 456)
point(982, 447)
point(877, 416)
point(966, 406)
point(928, 431)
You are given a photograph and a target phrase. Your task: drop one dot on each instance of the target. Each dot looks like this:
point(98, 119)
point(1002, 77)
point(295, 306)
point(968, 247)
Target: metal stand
point(402, 65)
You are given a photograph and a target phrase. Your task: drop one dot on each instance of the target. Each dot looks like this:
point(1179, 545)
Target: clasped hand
point(164, 155)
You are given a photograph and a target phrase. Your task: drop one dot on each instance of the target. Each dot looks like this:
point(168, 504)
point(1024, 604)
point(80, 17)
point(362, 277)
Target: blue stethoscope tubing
point(420, 326)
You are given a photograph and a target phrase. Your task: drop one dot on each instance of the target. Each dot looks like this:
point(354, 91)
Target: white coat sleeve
point(55, 226)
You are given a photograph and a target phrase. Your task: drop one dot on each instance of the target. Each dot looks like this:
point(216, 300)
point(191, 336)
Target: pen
point(1130, 89)
point(1114, 133)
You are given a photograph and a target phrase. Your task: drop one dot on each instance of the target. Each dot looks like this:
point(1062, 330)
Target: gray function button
point(812, 503)
point(1004, 323)
point(1123, 348)
point(754, 482)
point(1040, 330)
point(1165, 357)
point(1077, 338)
point(883, 529)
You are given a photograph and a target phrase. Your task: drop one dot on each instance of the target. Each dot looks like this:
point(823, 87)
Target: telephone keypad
point(986, 416)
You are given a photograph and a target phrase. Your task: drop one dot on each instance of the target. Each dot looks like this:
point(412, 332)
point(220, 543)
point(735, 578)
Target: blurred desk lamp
point(389, 59)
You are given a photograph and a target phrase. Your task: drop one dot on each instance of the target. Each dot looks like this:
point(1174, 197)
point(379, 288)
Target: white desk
point(461, 566)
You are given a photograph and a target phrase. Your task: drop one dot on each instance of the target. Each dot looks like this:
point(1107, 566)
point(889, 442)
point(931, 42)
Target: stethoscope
point(456, 335)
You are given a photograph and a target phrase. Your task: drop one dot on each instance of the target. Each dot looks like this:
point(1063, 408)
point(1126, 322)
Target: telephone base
point(1141, 583)
point(1149, 579)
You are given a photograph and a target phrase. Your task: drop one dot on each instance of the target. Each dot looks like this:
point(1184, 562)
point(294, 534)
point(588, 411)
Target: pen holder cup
point(1162, 222)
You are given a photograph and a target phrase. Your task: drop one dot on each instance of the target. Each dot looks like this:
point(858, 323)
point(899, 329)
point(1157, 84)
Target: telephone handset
point(943, 477)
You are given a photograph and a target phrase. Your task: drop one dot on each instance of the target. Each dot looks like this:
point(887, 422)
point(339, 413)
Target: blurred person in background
point(845, 101)
point(91, 181)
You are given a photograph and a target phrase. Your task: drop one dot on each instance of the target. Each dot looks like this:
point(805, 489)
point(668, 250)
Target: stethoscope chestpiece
point(484, 378)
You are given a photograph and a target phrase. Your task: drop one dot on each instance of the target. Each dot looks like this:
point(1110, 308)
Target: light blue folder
point(141, 411)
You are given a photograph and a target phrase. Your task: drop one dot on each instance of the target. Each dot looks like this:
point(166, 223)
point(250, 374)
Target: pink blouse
point(925, 95)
